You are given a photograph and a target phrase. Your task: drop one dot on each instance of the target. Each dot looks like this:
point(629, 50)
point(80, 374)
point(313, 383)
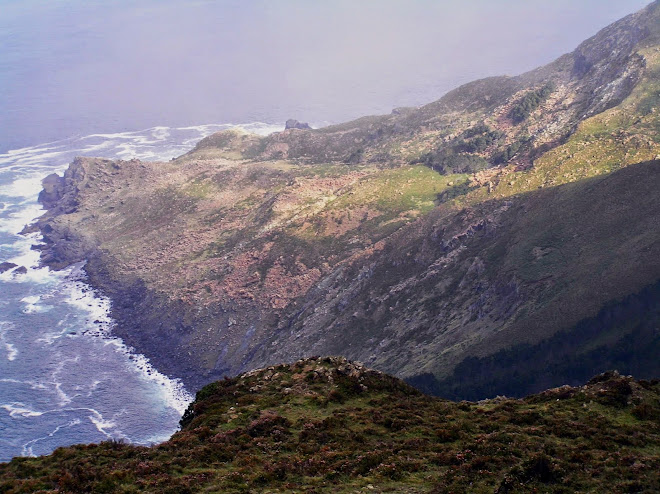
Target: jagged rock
point(53, 190)
point(295, 124)
point(20, 270)
point(6, 266)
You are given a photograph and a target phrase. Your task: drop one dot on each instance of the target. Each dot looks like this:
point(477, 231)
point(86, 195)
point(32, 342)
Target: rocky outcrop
point(6, 266)
point(598, 75)
point(295, 124)
point(52, 191)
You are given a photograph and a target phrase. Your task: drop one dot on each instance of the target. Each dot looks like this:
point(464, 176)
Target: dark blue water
point(64, 378)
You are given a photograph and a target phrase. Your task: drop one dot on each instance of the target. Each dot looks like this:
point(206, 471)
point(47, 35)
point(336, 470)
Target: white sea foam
point(26, 187)
point(174, 393)
point(64, 399)
point(30, 302)
point(28, 447)
point(10, 348)
point(38, 276)
point(15, 221)
point(98, 308)
point(84, 298)
point(52, 337)
point(31, 384)
point(22, 171)
point(161, 132)
point(101, 425)
point(12, 352)
point(20, 410)
point(58, 382)
point(32, 305)
point(9, 380)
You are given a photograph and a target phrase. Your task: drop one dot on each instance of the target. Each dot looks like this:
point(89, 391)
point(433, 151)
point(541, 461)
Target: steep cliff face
point(508, 211)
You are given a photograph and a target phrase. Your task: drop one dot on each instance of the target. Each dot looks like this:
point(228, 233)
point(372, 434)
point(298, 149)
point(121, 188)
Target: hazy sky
point(76, 67)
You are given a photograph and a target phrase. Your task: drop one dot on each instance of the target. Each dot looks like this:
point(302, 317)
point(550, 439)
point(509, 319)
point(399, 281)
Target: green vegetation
point(476, 139)
point(330, 241)
point(398, 191)
point(448, 161)
point(530, 102)
point(511, 151)
point(464, 153)
point(328, 425)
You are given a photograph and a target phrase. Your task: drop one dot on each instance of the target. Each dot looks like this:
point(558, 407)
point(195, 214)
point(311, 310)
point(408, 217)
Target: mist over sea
point(77, 67)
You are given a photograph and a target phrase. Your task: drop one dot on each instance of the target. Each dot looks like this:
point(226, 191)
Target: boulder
point(294, 124)
point(6, 266)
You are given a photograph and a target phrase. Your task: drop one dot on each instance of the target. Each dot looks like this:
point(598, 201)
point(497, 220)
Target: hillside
point(329, 425)
point(427, 243)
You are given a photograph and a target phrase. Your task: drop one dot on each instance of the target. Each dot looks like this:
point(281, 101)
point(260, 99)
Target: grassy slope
point(471, 281)
point(573, 224)
point(327, 425)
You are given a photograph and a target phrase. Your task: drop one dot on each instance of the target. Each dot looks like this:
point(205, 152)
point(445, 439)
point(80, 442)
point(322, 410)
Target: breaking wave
point(65, 378)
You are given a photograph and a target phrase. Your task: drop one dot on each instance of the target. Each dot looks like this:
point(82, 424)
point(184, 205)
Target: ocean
point(64, 378)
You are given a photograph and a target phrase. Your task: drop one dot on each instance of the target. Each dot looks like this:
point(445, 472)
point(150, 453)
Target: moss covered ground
point(329, 425)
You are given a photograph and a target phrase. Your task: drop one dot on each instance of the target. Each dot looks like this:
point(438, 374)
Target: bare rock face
point(53, 190)
point(6, 266)
point(295, 124)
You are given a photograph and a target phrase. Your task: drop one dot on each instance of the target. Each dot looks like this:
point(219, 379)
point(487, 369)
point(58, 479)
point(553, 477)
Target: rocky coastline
point(144, 320)
point(415, 242)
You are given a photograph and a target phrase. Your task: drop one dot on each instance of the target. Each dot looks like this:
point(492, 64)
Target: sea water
point(64, 378)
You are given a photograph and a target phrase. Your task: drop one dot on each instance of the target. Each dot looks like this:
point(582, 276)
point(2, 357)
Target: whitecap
point(32, 305)
point(15, 221)
point(27, 447)
point(173, 392)
point(88, 300)
point(38, 276)
point(31, 300)
point(101, 425)
point(23, 170)
point(20, 410)
point(63, 398)
point(98, 308)
point(160, 133)
point(50, 338)
point(12, 352)
point(25, 187)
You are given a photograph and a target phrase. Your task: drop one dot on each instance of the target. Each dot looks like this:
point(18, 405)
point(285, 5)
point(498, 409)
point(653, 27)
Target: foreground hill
point(439, 244)
point(330, 425)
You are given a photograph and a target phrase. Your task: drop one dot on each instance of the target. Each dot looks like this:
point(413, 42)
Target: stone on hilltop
point(295, 124)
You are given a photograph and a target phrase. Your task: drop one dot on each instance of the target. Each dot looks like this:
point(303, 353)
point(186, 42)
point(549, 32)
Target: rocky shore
point(415, 242)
